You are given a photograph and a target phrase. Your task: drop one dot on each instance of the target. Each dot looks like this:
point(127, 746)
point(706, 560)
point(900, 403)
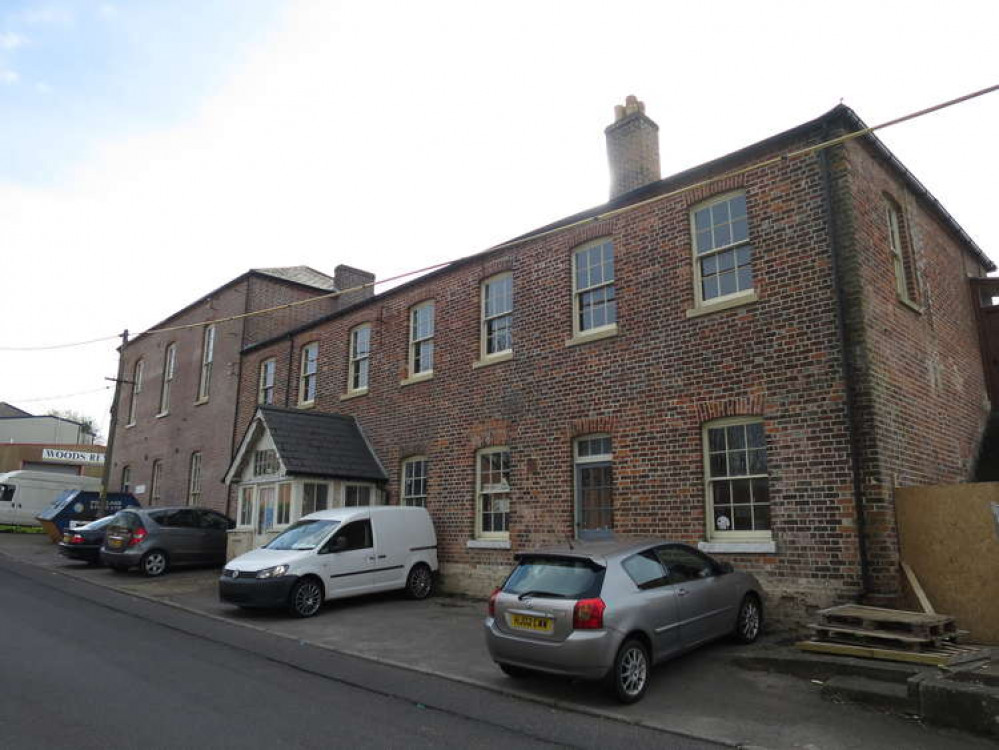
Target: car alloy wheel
point(631, 671)
point(154, 563)
point(420, 582)
point(306, 598)
point(747, 628)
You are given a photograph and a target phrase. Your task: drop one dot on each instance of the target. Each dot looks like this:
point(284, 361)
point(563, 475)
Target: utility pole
point(109, 451)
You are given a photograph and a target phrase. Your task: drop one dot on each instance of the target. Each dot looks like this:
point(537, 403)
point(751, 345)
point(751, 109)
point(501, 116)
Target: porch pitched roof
point(311, 443)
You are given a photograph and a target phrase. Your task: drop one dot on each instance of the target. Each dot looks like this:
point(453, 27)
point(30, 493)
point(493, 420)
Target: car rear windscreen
point(124, 519)
point(561, 577)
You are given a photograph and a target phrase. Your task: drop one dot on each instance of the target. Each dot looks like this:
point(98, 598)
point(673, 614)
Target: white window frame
point(416, 340)
point(487, 317)
point(578, 292)
point(740, 295)
point(308, 374)
point(407, 482)
point(714, 534)
point(481, 492)
point(359, 361)
point(600, 459)
point(194, 479)
point(156, 482)
point(126, 478)
point(265, 388)
point(137, 373)
point(207, 357)
point(169, 370)
point(266, 463)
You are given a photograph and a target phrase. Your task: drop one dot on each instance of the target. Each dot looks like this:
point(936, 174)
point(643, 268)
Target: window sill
point(418, 378)
point(596, 335)
point(354, 394)
point(201, 401)
point(758, 547)
point(911, 305)
point(488, 544)
point(706, 308)
point(305, 405)
point(130, 425)
point(162, 414)
point(492, 359)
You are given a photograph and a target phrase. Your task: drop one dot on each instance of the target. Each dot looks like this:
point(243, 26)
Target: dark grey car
point(156, 539)
point(610, 609)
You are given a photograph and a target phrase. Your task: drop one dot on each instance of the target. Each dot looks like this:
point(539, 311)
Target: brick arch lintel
point(724, 185)
point(591, 426)
point(589, 232)
point(490, 433)
point(744, 406)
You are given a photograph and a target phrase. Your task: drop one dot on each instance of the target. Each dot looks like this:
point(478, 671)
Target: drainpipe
point(849, 373)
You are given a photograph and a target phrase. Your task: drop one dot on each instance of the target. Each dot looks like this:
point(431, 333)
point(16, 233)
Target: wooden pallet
point(886, 638)
point(856, 617)
point(946, 655)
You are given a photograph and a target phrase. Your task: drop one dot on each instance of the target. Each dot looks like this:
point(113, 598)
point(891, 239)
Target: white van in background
point(24, 494)
point(334, 554)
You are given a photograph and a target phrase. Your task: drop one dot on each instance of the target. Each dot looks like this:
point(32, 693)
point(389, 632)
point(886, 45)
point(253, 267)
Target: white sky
point(391, 136)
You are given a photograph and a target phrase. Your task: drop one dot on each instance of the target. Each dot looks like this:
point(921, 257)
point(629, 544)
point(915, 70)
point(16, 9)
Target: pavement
point(767, 695)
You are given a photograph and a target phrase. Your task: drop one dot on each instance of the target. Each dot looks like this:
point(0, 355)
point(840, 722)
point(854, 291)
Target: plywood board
point(948, 536)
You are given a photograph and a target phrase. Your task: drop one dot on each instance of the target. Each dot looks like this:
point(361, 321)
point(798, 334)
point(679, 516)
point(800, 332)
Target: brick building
point(176, 411)
point(748, 356)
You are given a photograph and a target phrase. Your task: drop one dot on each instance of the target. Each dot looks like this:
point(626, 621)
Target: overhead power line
point(615, 212)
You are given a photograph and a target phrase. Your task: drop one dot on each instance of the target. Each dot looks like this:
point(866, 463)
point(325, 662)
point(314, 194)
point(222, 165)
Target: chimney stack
point(632, 148)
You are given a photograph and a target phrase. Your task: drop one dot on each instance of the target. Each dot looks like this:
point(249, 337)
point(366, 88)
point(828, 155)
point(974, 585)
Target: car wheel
point(154, 563)
point(629, 677)
point(306, 597)
point(516, 672)
point(420, 582)
point(750, 620)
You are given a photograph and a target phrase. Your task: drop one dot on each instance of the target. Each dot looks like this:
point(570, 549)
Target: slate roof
point(322, 445)
point(300, 275)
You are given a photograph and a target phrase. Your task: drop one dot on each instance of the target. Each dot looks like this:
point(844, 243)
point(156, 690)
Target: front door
point(348, 560)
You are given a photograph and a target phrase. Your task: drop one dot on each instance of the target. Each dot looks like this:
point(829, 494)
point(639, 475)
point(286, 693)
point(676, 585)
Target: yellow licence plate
point(113, 542)
point(67, 537)
point(530, 622)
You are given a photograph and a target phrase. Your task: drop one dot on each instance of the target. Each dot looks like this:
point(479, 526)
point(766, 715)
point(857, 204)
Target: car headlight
point(277, 570)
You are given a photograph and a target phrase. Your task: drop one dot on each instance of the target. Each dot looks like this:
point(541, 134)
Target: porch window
point(246, 507)
point(355, 495)
point(284, 504)
point(315, 496)
point(265, 462)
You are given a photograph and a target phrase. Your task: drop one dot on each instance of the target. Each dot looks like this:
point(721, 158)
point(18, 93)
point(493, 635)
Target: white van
point(333, 554)
point(24, 494)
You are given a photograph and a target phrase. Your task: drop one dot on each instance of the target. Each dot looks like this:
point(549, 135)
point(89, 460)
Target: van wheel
point(306, 597)
point(420, 582)
point(154, 563)
point(629, 678)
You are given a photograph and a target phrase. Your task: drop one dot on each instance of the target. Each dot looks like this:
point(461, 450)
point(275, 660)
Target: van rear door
point(7, 492)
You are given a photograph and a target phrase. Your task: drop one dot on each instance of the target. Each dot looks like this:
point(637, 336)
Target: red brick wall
point(921, 406)
point(651, 387)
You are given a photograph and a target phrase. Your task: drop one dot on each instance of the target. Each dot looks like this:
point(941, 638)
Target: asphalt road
point(86, 667)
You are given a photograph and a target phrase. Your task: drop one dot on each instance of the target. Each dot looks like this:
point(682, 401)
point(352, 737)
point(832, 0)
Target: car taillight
point(588, 614)
point(492, 602)
point(76, 539)
point(137, 536)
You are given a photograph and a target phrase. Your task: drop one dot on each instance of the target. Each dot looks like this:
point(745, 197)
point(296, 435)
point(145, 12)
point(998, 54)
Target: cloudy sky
point(150, 151)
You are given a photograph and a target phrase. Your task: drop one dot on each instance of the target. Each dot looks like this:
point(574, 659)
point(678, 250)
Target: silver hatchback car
point(610, 609)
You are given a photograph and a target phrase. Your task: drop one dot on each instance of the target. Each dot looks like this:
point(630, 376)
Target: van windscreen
point(303, 535)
